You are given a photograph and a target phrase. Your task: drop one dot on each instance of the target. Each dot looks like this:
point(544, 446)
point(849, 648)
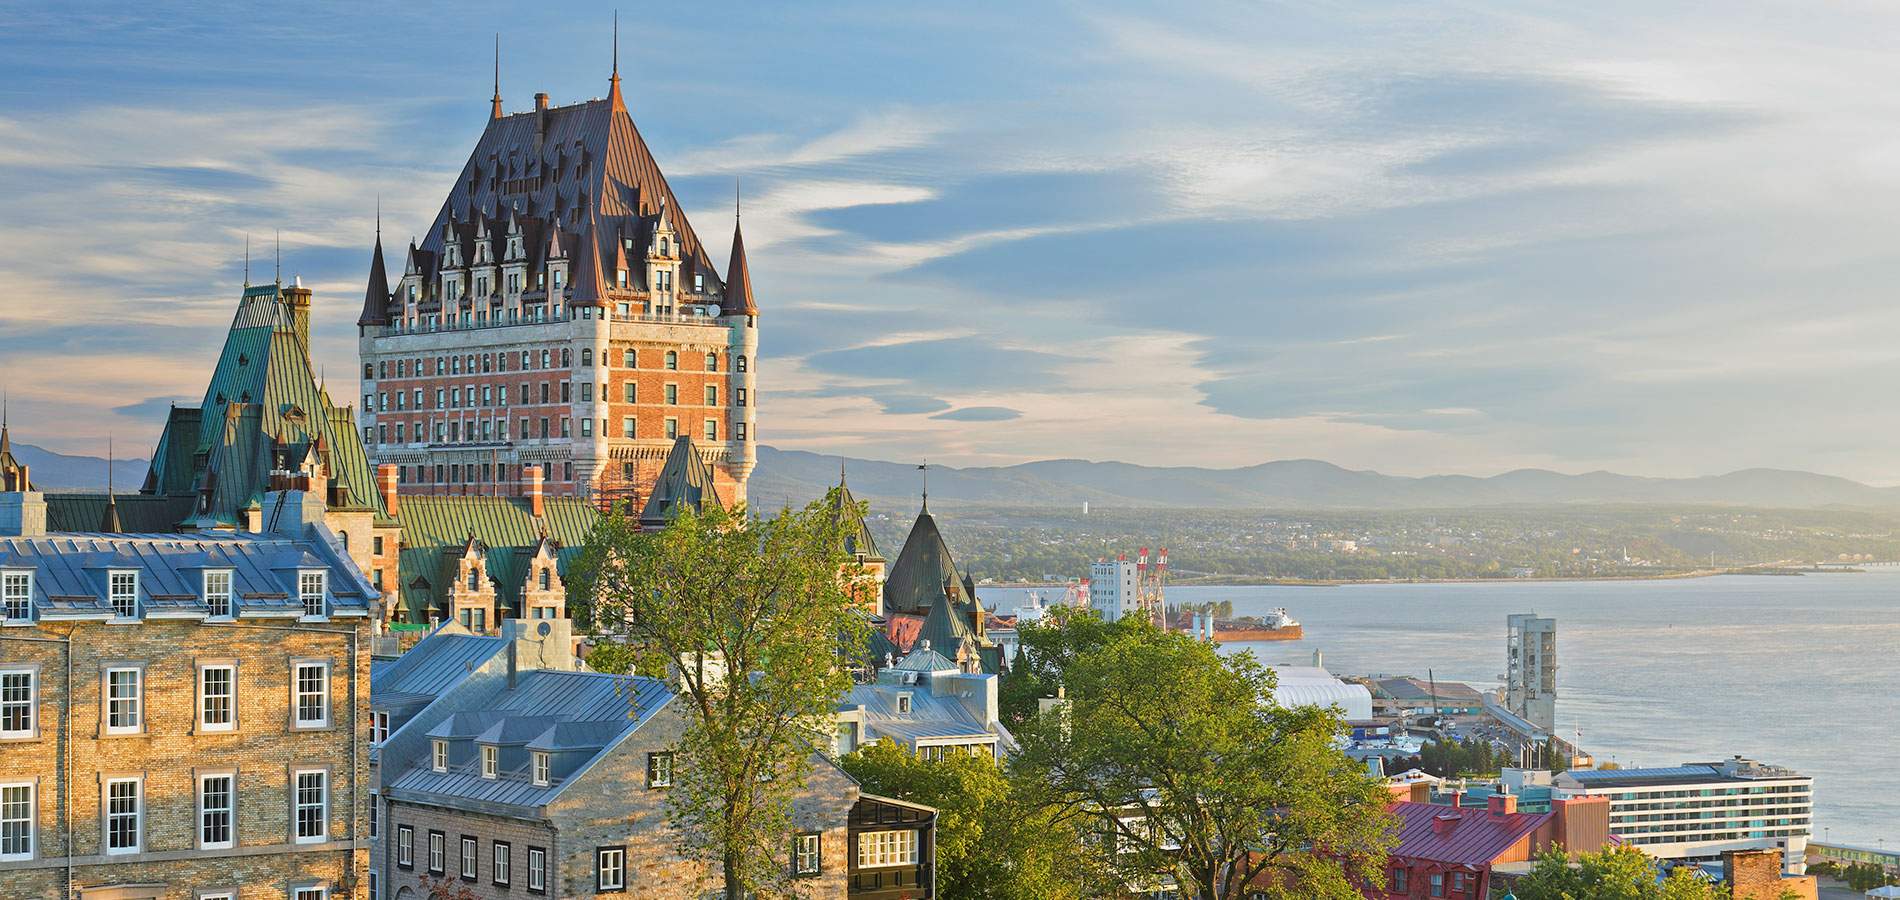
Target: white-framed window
point(125, 814)
point(375, 886)
point(539, 760)
point(491, 761)
point(439, 755)
point(312, 810)
point(468, 857)
point(610, 868)
point(125, 701)
point(16, 820)
point(18, 703)
point(124, 593)
point(887, 848)
point(375, 814)
point(405, 846)
point(805, 858)
point(217, 697)
point(378, 727)
point(16, 594)
point(501, 861)
point(310, 687)
point(537, 869)
point(310, 587)
point(218, 592)
point(659, 769)
point(310, 893)
point(903, 703)
point(217, 803)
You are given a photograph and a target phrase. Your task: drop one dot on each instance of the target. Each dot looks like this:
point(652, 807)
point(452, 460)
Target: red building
point(1448, 852)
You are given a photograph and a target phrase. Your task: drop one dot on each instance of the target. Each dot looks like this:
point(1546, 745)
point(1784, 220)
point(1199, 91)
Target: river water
point(1799, 671)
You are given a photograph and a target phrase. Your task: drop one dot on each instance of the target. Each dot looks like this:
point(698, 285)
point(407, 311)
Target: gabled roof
point(432, 666)
point(685, 479)
point(1474, 837)
point(437, 527)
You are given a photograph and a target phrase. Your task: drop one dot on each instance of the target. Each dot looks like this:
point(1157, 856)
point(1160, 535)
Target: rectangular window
point(124, 814)
point(125, 594)
point(375, 813)
point(313, 806)
point(124, 701)
point(16, 821)
point(610, 869)
point(217, 698)
point(587, 427)
point(537, 869)
point(1401, 881)
point(378, 727)
point(16, 592)
point(310, 893)
point(659, 770)
point(587, 391)
point(468, 857)
point(712, 429)
point(311, 683)
point(631, 392)
point(310, 584)
point(1438, 884)
point(17, 704)
point(491, 761)
point(405, 846)
point(887, 848)
point(218, 592)
point(805, 859)
point(216, 796)
point(672, 429)
point(438, 848)
point(626, 426)
point(672, 395)
point(501, 861)
point(439, 755)
point(738, 431)
point(712, 395)
point(540, 769)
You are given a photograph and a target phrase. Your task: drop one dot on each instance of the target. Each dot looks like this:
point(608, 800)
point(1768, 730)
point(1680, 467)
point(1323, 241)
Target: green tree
point(711, 594)
point(1185, 766)
point(1047, 648)
point(989, 845)
point(1614, 873)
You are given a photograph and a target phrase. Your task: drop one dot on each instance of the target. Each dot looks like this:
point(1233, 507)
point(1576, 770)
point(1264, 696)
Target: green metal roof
point(435, 529)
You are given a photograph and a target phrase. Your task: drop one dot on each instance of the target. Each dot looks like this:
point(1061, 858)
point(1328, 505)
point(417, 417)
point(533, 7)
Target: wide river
point(1799, 671)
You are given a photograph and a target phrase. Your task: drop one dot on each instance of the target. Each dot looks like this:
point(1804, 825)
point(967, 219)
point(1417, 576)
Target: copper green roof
point(436, 529)
point(922, 571)
point(858, 541)
point(138, 513)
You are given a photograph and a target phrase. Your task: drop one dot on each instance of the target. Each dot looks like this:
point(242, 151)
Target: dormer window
point(664, 246)
point(217, 592)
point(903, 703)
point(491, 761)
point(310, 589)
point(439, 755)
point(546, 579)
point(16, 595)
point(124, 593)
point(541, 768)
point(620, 277)
point(474, 580)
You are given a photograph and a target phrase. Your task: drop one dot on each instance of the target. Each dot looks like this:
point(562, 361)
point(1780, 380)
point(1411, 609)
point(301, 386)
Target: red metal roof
point(1475, 837)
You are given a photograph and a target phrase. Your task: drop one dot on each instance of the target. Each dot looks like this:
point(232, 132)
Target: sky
point(1417, 238)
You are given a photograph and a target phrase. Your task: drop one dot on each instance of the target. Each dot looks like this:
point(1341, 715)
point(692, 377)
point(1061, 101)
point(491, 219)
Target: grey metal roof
point(70, 572)
point(925, 659)
point(930, 716)
point(431, 667)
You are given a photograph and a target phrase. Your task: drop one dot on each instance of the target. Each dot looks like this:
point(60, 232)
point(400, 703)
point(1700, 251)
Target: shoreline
point(1241, 581)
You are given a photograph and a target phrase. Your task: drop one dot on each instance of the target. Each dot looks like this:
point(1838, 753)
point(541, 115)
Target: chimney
point(533, 490)
point(386, 479)
point(1502, 805)
point(538, 644)
point(1444, 822)
point(541, 102)
point(297, 297)
point(1583, 823)
point(22, 514)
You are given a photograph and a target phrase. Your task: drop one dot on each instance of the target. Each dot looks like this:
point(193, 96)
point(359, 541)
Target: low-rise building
point(1417, 696)
point(1457, 853)
point(1314, 686)
point(927, 705)
point(1695, 811)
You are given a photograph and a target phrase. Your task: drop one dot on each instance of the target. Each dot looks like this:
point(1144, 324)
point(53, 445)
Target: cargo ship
point(1276, 625)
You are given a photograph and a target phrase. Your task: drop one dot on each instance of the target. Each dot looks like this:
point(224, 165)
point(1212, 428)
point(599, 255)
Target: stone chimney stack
point(297, 297)
point(1502, 805)
point(22, 514)
point(541, 102)
point(387, 476)
point(532, 475)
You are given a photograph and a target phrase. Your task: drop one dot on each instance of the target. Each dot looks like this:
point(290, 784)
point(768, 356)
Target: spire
point(613, 90)
point(738, 275)
point(278, 276)
point(925, 468)
point(494, 111)
point(109, 522)
point(376, 292)
point(247, 259)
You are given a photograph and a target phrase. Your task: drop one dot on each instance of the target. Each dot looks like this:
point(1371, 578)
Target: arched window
point(712, 362)
point(567, 358)
point(739, 363)
point(628, 358)
point(455, 365)
point(587, 356)
point(672, 360)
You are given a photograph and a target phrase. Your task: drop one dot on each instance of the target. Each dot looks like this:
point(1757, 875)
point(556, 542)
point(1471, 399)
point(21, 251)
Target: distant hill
point(58, 472)
point(1290, 484)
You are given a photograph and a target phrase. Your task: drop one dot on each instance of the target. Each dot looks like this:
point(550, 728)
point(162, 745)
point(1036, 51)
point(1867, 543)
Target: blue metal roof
point(432, 666)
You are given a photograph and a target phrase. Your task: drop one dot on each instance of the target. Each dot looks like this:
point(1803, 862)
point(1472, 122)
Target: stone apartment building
point(181, 715)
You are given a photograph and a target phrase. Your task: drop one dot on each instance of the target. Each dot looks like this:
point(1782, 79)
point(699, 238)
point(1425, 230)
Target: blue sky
point(1467, 238)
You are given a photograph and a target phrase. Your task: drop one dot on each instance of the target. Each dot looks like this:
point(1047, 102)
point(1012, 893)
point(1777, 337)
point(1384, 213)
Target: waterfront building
point(1114, 588)
point(1314, 686)
point(181, 713)
point(1530, 670)
point(562, 312)
point(1695, 811)
point(927, 705)
point(1455, 852)
point(1417, 696)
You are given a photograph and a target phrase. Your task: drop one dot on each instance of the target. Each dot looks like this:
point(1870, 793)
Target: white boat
point(1278, 617)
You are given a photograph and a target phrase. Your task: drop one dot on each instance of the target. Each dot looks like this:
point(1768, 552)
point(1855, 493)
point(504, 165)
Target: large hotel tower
point(560, 313)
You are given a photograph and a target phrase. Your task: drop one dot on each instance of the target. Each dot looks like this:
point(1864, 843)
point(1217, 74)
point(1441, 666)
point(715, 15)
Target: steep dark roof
point(916, 581)
point(738, 279)
point(858, 540)
point(10, 469)
point(685, 479)
point(376, 294)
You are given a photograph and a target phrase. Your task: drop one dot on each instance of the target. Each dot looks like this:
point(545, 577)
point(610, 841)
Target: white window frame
point(205, 696)
point(310, 892)
point(501, 862)
point(31, 819)
point(307, 581)
point(491, 761)
point(16, 587)
point(298, 693)
point(438, 853)
point(378, 727)
point(215, 594)
point(229, 810)
point(660, 769)
point(537, 869)
point(137, 814)
point(468, 860)
point(439, 755)
point(298, 805)
point(32, 704)
point(610, 877)
point(886, 849)
point(114, 595)
point(807, 845)
point(541, 768)
point(406, 846)
point(137, 700)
